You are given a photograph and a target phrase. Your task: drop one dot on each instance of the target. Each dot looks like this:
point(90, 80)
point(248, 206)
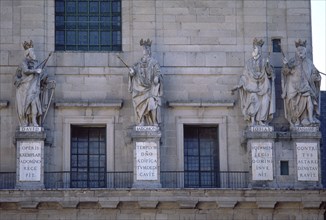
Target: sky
point(318, 19)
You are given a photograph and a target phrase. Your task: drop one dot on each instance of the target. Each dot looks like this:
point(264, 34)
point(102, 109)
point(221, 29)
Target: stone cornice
point(185, 198)
point(89, 104)
point(213, 104)
point(4, 104)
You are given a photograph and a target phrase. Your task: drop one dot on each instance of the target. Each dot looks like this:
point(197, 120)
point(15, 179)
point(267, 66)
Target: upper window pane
point(88, 25)
point(276, 45)
point(71, 6)
point(83, 7)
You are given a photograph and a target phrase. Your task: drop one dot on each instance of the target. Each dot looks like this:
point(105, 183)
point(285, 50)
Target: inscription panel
point(307, 161)
point(261, 128)
point(30, 157)
point(146, 128)
point(305, 129)
point(30, 129)
point(262, 160)
point(146, 161)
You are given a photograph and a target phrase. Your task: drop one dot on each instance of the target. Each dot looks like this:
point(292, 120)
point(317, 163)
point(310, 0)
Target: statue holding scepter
point(31, 83)
point(145, 85)
point(300, 88)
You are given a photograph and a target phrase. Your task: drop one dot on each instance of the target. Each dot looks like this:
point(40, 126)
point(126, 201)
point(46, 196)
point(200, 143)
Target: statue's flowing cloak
point(146, 96)
point(300, 80)
point(257, 93)
point(28, 90)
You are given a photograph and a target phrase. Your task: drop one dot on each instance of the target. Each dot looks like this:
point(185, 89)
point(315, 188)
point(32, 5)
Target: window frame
point(77, 165)
point(221, 122)
point(195, 174)
point(112, 47)
point(107, 121)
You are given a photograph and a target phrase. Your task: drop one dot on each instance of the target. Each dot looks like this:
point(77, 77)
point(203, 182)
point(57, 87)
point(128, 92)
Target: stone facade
point(202, 47)
point(163, 204)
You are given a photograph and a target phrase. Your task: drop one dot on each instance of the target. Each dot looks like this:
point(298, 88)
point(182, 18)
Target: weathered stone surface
point(130, 204)
point(201, 46)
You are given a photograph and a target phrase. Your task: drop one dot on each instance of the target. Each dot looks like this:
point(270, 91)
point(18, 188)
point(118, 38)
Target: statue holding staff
point(300, 88)
point(31, 88)
point(145, 85)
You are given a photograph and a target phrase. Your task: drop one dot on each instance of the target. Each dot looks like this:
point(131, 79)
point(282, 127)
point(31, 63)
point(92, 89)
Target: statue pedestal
point(288, 160)
point(30, 158)
point(260, 145)
point(306, 150)
point(146, 142)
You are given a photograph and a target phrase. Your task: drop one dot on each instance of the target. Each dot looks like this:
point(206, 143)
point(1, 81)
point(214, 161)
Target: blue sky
point(318, 19)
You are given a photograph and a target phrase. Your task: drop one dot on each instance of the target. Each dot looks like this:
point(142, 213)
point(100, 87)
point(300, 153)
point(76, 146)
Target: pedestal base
point(260, 145)
point(30, 158)
point(146, 141)
point(306, 151)
point(288, 160)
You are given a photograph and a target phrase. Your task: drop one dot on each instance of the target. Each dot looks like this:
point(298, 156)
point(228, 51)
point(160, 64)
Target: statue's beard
point(301, 56)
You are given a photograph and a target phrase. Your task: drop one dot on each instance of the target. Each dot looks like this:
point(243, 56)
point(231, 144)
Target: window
point(284, 167)
point(201, 158)
point(88, 25)
point(276, 45)
point(88, 157)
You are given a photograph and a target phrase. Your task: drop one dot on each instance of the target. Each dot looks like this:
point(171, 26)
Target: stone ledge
point(187, 204)
point(150, 199)
point(148, 204)
point(29, 135)
point(281, 135)
point(109, 204)
point(260, 135)
point(226, 204)
point(29, 204)
point(69, 204)
point(306, 135)
point(213, 104)
point(266, 204)
point(311, 204)
point(4, 104)
point(89, 104)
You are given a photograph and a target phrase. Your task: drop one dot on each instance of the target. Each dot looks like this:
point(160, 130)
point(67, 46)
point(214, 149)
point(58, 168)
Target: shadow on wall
point(323, 131)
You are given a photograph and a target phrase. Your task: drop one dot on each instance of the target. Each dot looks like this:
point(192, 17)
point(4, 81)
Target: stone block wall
point(201, 46)
point(162, 204)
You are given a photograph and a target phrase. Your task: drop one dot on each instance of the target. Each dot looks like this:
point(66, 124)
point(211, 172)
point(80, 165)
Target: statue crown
point(258, 42)
point(300, 43)
point(147, 42)
point(27, 45)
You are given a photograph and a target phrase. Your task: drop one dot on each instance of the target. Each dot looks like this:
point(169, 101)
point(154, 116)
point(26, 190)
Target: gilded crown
point(257, 42)
point(300, 43)
point(27, 45)
point(147, 42)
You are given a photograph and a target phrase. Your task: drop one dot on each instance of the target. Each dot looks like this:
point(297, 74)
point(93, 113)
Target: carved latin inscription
point(262, 160)
point(30, 156)
point(307, 161)
point(146, 160)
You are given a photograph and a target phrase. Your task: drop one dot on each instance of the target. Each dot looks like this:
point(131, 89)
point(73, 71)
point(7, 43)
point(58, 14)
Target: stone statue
point(256, 88)
point(145, 85)
point(32, 86)
point(300, 88)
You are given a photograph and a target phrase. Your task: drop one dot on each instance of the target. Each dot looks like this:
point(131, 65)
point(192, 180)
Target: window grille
point(88, 25)
point(88, 157)
point(201, 157)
